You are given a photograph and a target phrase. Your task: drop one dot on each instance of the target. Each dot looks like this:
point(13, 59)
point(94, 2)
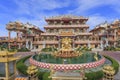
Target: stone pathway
point(116, 56)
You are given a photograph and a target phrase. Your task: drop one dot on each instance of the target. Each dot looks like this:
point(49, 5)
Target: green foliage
point(99, 74)
point(21, 67)
point(94, 75)
point(46, 76)
point(50, 49)
point(111, 48)
point(115, 64)
point(117, 49)
point(23, 50)
point(83, 49)
point(3, 46)
point(40, 75)
point(43, 75)
point(12, 50)
point(19, 50)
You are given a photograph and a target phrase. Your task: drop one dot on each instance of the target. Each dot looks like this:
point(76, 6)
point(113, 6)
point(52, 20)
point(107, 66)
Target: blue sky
point(34, 11)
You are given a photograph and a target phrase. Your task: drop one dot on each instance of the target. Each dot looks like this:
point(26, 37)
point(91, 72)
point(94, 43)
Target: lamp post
point(32, 72)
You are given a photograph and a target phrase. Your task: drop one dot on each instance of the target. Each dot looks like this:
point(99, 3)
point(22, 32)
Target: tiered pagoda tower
point(59, 27)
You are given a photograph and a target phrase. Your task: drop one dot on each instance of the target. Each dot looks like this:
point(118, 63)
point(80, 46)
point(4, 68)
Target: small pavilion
point(6, 57)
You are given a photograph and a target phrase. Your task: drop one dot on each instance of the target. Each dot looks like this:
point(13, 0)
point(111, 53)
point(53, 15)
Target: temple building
point(116, 27)
point(107, 34)
point(70, 26)
point(25, 35)
point(59, 27)
point(104, 34)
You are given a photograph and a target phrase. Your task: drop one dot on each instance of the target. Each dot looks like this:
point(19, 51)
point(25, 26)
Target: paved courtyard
point(115, 55)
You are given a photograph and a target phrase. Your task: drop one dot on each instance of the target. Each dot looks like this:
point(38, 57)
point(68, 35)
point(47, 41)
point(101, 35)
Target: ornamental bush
point(50, 49)
point(23, 50)
point(99, 74)
point(111, 48)
point(94, 75)
point(46, 76)
point(21, 67)
point(115, 64)
point(40, 75)
point(83, 49)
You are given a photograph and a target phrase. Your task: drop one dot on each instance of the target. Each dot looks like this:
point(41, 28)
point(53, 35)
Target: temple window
point(55, 22)
point(80, 38)
point(77, 38)
point(71, 22)
point(55, 38)
point(55, 30)
point(77, 22)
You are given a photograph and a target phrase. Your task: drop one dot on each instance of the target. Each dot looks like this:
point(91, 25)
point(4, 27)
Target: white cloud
point(32, 7)
point(95, 20)
point(35, 8)
point(39, 19)
point(85, 5)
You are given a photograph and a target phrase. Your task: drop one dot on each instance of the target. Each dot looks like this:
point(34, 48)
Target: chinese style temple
point(73, 27)
point(59, 27)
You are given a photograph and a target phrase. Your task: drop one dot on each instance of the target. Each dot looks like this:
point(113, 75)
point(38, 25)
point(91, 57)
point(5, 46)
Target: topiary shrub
point(46, 76)
point(94, 75)
point(115, 64)
point(21, 67)
point(99, 74)
point(43, 75)
point(40, 75)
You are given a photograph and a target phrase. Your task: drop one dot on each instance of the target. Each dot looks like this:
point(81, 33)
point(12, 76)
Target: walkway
point(115, 55)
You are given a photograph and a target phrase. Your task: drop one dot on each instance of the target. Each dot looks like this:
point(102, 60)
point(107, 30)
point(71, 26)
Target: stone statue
point(96, 56)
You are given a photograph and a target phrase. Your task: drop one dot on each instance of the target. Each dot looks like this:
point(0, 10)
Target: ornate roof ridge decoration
point(102, 25)
point(17, 25)
point(117, 21)
point(66, 16)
